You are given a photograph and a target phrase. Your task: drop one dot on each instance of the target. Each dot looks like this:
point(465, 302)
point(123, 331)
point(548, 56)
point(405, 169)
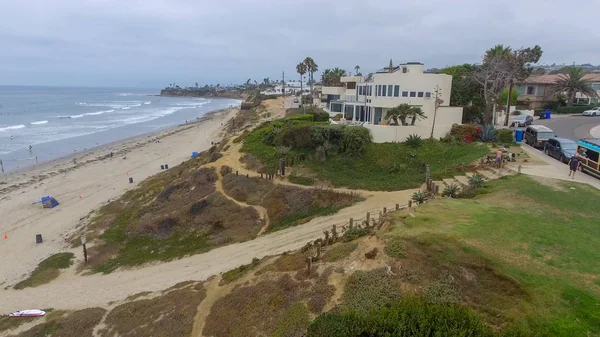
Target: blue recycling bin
point(548, 114)
point(519, 135)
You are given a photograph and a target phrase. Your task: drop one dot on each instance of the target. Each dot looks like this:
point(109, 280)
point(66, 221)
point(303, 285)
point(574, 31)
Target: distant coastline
point(201, 92)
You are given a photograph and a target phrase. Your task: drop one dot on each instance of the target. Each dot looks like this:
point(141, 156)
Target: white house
point(291, 87)
point(368, 101)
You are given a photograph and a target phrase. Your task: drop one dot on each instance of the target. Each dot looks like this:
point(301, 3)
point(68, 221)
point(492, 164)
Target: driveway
point(573, 127)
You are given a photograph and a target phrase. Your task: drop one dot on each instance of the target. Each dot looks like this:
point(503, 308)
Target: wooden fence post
point(326, 237)
point(368, 217)
point(318, 250)
point(384, 210)
point(351, 222)
point(309, 264)
point(410, 203)
point(397, 206)
point(334, 233)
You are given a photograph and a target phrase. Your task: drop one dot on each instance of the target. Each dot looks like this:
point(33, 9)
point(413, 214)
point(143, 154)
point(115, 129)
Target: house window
point(405, 94)
point(396, 91)
point(596, 86)
point(351, 85)
point(530, 90)
point(420, 94)
point(521, 90)
point(404, 70)
point(369, 90)
point(413, 94)
point(428, 95)
point(390, 91)
point(540, 90)
point(383, 90)
point(378, 90)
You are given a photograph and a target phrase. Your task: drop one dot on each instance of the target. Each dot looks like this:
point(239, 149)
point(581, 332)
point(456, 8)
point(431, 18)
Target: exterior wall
point(333, 91)
point(445, 118)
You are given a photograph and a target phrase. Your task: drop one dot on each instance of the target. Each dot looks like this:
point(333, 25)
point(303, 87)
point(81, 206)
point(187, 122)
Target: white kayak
point(28, 313)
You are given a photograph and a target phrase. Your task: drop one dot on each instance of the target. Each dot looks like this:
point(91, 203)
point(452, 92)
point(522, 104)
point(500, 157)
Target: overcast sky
point(152, 43)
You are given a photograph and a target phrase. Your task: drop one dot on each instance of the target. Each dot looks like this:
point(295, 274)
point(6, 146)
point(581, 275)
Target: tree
point(416, 113)
point(504, 97)
point(312, 68)
point(301, 69)
point(196, 85)
point(357, 69)
point(571, 83)
point(331, 77)
point(465, 90)
point(399, 114)
point(503, 67)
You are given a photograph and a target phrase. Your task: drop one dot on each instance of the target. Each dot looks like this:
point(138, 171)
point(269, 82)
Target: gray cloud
point(154, 42)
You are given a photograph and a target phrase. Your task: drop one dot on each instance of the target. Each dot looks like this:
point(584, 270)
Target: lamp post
point(438, 94)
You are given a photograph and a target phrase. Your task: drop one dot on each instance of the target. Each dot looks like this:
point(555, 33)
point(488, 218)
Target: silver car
point(592, 112)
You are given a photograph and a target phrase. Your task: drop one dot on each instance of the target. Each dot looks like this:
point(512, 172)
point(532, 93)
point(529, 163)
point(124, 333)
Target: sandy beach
point(82, 186)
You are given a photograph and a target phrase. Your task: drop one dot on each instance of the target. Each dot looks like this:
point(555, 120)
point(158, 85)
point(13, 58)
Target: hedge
point(573, 109)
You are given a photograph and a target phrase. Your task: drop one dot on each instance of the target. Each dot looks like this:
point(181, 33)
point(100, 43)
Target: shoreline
point(10, 180)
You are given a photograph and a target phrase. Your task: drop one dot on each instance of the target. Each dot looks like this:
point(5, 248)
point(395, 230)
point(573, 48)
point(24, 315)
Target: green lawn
point(383, 167)
point(541, 239)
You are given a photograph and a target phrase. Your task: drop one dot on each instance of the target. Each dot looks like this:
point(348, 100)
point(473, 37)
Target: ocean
point(57, 121)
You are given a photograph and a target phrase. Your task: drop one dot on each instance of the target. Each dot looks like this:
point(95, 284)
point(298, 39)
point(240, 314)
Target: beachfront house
point(366, 102)
point(291, 88)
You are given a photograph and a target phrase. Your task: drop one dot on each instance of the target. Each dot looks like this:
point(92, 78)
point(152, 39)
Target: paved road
point(573, 127)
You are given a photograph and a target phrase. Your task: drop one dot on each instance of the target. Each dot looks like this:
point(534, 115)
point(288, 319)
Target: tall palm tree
point(497, 51)
point(416, 113)
point(357, 69)
point(331, 77)
point(301, 69)
point(399, 114)
point(571, 83)
point(312, 68)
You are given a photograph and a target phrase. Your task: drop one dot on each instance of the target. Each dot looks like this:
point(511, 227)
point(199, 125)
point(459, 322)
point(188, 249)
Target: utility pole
point(438, 93)
point(283, 84)
point(510, 87)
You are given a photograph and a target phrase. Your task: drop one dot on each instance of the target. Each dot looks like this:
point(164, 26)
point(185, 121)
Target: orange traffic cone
point(80, 197)
point(5, 236)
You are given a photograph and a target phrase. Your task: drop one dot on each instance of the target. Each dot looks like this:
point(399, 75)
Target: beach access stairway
point(462, 181)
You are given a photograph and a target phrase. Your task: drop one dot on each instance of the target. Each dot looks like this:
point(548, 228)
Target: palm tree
point(356, 69)
point(497, 51)
point(571, 83)
point(331, 77)
point(399, 113)
point(301, 69)
point(312, 68)
point(416, 113)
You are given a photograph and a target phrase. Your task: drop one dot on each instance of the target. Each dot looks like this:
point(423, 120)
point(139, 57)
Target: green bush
point(409, 317)
point(296, 136)
point(451, 191)
point(573, 109)
point(331, 134)
point(355, 140)
point(320, 116)
point(306, 181)
point(414, 141)
point(505, 136)
point(419, 197)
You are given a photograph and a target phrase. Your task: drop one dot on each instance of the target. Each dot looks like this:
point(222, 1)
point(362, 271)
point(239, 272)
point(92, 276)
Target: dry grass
point(339, 251)
point(76, 324)
point(286, 205)
point(171, 314)
point(269, 308)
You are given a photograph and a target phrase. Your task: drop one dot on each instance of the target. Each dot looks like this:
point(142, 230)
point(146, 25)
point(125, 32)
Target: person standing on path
point(499, 158)
point(574, 164)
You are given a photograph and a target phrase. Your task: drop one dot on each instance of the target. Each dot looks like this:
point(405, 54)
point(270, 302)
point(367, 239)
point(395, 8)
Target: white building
point(368, 101)
point(290, 89)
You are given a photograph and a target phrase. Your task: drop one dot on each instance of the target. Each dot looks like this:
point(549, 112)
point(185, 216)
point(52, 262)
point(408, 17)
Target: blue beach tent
point(47, 202)
point(194, 154)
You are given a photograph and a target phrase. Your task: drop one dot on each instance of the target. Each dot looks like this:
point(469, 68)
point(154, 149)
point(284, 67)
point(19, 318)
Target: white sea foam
point(12, 127)
point(39, 122)
point(126, 108)
point(147, 102)
point(76, 116)
point(98, 113)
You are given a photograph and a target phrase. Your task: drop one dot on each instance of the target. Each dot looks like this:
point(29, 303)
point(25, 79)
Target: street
point(573, 127)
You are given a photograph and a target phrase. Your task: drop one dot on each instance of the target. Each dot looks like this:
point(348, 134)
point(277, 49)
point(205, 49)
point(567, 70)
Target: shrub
point(337, 117)
point(488, 133)
point(476, 180)
point(332, 134)
point(573, 109)
point(408, 317)
point(505, 136)
point(464, 133)
point(516, 113)
point(355, 140)
point(419, 197)
point(414, 141)
point(451, 191)
point(296, 136)
point(300, 180)
point(320, 116)
point(354, 233)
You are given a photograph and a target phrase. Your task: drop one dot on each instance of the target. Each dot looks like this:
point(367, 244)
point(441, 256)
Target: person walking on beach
point(574, 164)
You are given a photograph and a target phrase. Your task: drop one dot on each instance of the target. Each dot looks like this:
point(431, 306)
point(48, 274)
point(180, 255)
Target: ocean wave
point(194, 104)
point(147, 102)
point(74, 116)
point(12, 127)
point(126, 108)
point(98, 113)
point(39, 122)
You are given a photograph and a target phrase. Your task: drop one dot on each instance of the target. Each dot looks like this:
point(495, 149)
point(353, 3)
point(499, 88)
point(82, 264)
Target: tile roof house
point(538, 90)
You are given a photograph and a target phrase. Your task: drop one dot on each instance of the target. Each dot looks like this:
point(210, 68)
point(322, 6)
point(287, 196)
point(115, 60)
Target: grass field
point(383, 167)
point(47, 270)
point(522, 253)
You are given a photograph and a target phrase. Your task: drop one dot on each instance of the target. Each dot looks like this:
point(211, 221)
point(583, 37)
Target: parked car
point(538, 135)
point(521, 121)
point(560, 148)
point(296, 100)
point(592, 112)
